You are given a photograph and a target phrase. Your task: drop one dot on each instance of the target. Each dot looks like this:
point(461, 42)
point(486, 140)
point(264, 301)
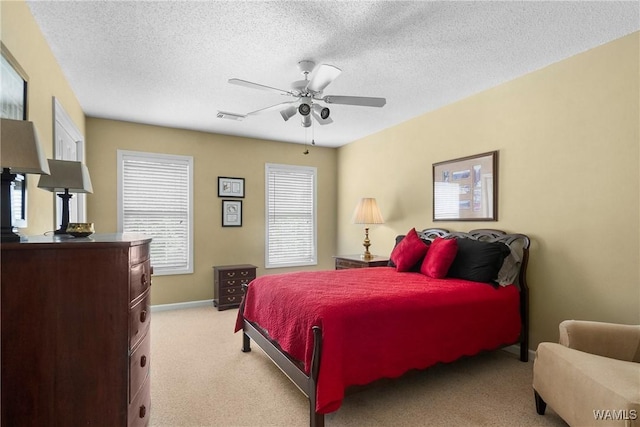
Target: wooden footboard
point(306, 383)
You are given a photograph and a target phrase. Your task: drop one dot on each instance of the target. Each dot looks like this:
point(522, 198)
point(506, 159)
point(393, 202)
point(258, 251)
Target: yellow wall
point(23, 39)
point(214, 155)
point(568, 137)
point(568, 141)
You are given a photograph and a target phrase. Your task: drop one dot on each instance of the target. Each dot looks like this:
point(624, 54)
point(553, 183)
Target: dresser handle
point(244, 273)
point(231, 299)
point(231, 282)
point(143, 316)
point(231, 291)
point(231, 273)
point(143, 361)
point(143, 411)
point(143, 279)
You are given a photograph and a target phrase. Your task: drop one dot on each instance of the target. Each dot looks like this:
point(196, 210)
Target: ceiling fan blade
point(320, 120)
point(322, 76)
point(364, 101)
point(252, 85)
point(271, 108)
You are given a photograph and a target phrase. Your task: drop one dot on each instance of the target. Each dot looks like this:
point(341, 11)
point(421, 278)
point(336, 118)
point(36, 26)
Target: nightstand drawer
point(230, 299)
point(343, 263)
point(240, 274)
point(356, 261)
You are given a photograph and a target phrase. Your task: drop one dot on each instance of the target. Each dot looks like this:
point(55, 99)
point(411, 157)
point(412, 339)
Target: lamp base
point(7, 230)
point(367, 255)
point(8, 236)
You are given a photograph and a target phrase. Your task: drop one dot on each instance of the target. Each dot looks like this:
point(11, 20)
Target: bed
point(330, 330)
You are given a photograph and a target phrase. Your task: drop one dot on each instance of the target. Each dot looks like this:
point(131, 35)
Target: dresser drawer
point(139, 362)
point(140, 279)
point(138, 254)
point(139, 319)
point(139, 409)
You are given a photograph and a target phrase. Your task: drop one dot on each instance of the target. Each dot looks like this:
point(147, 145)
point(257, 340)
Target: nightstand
point(356, 261)
point(227, 284)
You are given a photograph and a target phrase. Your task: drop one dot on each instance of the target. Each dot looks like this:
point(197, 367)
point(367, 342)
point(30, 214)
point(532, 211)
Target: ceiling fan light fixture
point(322, 111)
point(289, 112)
point(306, 121)
point(304, 109)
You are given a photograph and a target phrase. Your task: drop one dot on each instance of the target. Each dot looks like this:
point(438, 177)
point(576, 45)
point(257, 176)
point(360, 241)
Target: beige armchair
point(592, 378)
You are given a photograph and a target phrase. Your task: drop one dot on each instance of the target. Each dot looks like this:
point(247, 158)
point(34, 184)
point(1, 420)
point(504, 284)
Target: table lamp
point(66, 177)
point(20, 152)
point(367, 212)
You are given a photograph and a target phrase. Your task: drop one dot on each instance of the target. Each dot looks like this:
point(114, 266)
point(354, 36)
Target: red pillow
point(409, 251)
point(441, 254)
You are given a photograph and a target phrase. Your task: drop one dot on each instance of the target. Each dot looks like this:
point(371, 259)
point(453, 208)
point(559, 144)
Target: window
point(13, 105)
point(291, 216)
point(155, 193)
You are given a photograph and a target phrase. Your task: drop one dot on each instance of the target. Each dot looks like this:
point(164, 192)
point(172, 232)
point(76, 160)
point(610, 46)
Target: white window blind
point(291, 216)
point(154, 198)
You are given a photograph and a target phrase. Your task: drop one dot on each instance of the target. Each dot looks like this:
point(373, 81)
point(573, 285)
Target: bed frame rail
point(306, 383)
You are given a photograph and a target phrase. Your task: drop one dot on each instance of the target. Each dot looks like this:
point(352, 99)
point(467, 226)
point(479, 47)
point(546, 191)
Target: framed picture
point(466, 189)
point(230, 187)
point(232, 213)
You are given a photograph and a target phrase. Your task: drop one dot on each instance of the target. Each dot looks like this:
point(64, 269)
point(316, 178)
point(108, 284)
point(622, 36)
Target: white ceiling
point(167, 63)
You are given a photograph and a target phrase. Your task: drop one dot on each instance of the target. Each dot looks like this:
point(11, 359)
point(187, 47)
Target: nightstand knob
point(143, 279)
point(143, 411)
point(143, 316)
point(143, 361)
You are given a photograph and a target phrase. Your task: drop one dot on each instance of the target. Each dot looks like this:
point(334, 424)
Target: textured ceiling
point(167, 63)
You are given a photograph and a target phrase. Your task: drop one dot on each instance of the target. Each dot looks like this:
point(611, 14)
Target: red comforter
point(378, 323)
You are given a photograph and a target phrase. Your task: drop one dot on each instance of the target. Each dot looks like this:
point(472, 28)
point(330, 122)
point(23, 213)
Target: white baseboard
point(515, 349)
point(181, 305)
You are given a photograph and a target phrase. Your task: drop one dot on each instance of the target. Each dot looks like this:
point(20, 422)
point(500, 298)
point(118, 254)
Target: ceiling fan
point(307, 96)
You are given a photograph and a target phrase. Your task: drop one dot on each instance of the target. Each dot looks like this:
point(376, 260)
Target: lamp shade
point(66, 175)
point(367, 212)
point(20, 149)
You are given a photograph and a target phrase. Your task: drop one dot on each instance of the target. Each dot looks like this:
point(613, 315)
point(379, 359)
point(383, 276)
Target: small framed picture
point(230, 187)
point(232, 213)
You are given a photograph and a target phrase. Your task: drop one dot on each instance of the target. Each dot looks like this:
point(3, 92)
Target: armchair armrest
point(611, 340)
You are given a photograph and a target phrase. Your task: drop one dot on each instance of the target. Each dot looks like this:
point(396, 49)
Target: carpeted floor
point(199, 377)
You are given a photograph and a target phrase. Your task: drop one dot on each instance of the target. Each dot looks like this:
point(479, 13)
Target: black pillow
point(416, 267)
point(478, 261)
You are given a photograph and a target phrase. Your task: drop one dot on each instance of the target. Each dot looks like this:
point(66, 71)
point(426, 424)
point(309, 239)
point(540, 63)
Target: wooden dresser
point(227, 284)
point(75, 331)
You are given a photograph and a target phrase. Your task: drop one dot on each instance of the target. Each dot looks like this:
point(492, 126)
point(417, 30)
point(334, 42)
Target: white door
point(69, 145)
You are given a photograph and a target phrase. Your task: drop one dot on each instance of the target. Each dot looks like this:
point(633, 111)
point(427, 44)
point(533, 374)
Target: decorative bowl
point(80, 229)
